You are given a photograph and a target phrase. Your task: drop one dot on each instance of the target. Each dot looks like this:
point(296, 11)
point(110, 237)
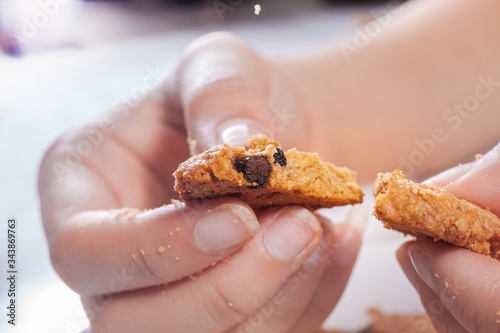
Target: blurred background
point(64, 62)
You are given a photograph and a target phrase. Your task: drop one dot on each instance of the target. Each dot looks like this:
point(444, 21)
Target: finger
point(481, 185)
point(226, 294)
point(225, 89)
point(341, 261)
point(442, 320)
point(286, 307)
point(450, 175)
point(467, 283)
point(104, 252)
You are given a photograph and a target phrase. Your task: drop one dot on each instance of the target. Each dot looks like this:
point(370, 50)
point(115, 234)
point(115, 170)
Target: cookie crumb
point(175, 202)
point(177, 258)
point(498, 313)
point(478, 157)
point(171, 233)
point(446, 284)
point(142, 251)
point(161, 249)
point(230, 304)
point(177, 229)
point(134, 257)
point(257, 9)
point(127, 212)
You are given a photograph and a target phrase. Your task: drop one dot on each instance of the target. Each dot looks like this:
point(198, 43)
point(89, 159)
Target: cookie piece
point(393, 323)
point(263, 175)
point(426, 210)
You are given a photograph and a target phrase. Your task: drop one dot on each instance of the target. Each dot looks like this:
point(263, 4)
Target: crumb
point(128, 212)
point(446, 284)
point(177, 229)
point(478, 156)
point(257, 9)
point(161, 249)
point(168, 247)
point(230, 304)
point(177, 258)
point(437, 276)
point(171, 233)
point(498, 313)
point(175, 202)
point(192, 277)
point(142, 251)
point(134, 257)
point(214, 263)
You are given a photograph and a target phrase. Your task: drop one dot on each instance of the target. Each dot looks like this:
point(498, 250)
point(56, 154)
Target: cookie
point(393, 323)
point(264, 175)
point(430, 211)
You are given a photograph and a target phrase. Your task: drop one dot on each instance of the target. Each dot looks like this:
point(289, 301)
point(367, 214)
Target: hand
point(211, 265)
point(459, 289)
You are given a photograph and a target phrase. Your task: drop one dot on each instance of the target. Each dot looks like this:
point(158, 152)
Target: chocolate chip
point(255, 169)
point(279, 157)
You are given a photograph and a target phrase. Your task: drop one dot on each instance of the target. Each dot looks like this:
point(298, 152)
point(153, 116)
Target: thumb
point(224, 88)
point(480, 182)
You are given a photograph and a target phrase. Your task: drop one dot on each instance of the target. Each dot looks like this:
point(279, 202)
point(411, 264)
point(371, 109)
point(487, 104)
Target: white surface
point(44, 94)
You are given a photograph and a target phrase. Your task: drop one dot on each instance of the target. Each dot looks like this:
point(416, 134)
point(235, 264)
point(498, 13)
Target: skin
point(223, 91)
point(459, 288)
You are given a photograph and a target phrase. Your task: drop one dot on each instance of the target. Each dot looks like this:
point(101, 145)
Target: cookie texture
point(264, 175)
point(426, 210)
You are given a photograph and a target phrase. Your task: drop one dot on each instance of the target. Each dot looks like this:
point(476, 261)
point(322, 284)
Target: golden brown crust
point(426, 210)
point(305, 180)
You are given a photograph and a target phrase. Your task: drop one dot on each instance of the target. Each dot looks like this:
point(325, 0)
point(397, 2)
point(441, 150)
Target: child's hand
point(460, 289)
point(206, 266)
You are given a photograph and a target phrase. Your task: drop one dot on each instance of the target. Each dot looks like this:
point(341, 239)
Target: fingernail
point(348, 243)
point(406, 264)
point(325, 248)
point(225, 227)
point(236, 131)
point(446, 177)
point(358, 217)
point(421, 264)
point(292, 231)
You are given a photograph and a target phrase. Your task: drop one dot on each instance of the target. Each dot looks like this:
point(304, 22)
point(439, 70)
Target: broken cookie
point(263, 175)
point(430, 211)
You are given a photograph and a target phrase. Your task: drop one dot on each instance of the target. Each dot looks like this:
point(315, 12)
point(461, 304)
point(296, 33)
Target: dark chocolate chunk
point(255, 169)
point(279, 157)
